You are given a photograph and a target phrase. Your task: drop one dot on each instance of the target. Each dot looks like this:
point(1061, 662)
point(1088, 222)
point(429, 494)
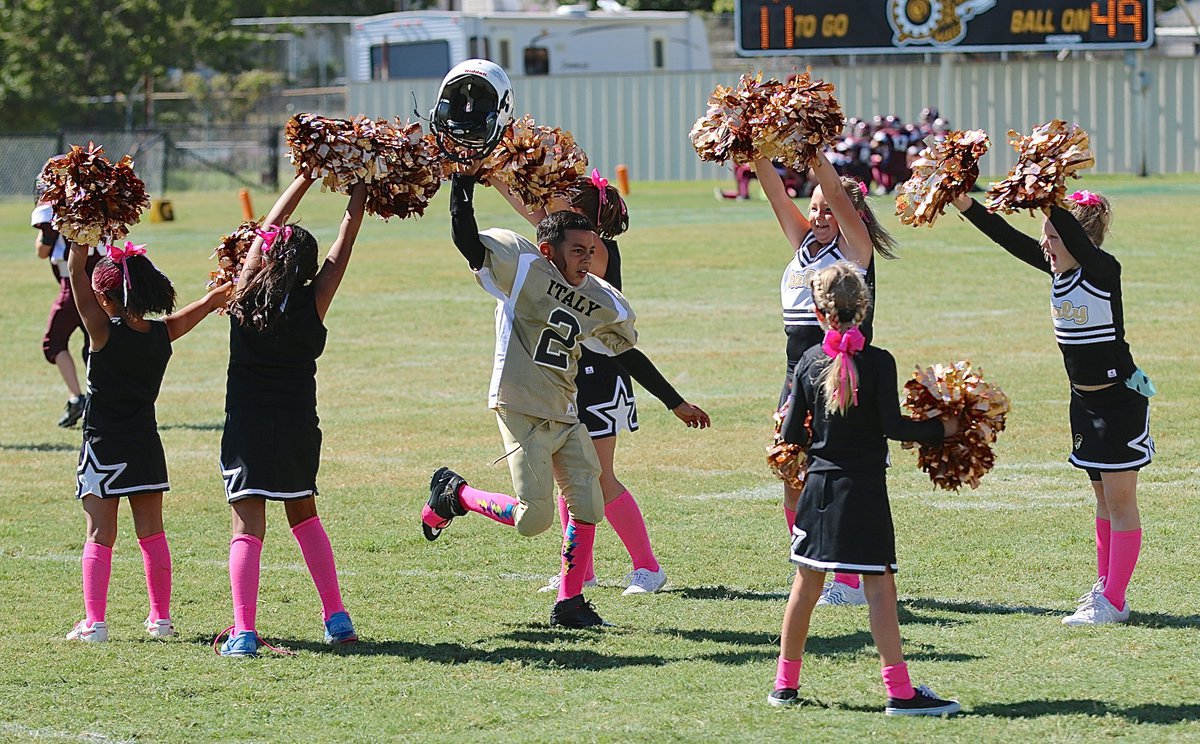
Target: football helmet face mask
point(474, 108)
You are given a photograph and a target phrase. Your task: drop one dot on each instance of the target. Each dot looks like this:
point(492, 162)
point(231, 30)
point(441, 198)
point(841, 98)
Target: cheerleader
point(122, 455)
point(271, 446)
point(604, 396)
point(1110, 410)
point(843, 521)
point(840, 226)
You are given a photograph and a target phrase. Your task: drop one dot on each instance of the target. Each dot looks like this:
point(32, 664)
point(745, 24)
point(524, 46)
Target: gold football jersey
point(541, 322)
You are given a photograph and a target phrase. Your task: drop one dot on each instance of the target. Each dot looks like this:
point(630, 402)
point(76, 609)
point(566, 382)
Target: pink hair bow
point(849, 343)
point(118, 254)
point(862, 188)
point(601, 185)
point(1086, 198)
point(270, 232)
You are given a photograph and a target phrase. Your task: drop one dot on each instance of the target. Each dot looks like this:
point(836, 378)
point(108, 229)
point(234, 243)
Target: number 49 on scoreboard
point(766, 27)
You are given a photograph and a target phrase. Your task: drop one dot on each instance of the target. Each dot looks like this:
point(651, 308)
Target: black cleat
point(575, 612)
point(443, 505)
point(924, 703)
point(784, 696)
point(73, 412)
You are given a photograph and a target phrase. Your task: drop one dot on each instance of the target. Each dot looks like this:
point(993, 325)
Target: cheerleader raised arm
point(1110, 408)
point(122, 455)
point(271, 445)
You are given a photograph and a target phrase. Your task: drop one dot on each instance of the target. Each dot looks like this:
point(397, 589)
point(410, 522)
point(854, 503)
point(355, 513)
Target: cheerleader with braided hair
point(843, 521)
point(271, 445)
point(840, 226)
point(604, 396)
point(122, 455)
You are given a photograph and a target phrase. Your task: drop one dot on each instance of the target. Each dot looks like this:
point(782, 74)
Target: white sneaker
point(556, 581)
point(644, 581)
point(837, 593)
point(1096, 610)
point(97, 632)
point(161, 628)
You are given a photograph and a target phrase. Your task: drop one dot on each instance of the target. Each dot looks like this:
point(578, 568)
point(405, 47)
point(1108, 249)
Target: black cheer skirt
point(605, 396)
point(844, 523)
point(116, 464)
point(270, 453)
point(1110, 430)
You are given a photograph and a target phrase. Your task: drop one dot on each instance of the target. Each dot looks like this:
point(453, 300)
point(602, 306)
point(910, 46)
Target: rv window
point(479, 48)
point(504, 53)
point(537, 61)
point(659, 62)
point(422, 59)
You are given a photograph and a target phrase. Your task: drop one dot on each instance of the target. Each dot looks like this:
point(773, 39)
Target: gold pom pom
point(957, 390)
point(1049, 155)
point(94, 201)
point(943, 172)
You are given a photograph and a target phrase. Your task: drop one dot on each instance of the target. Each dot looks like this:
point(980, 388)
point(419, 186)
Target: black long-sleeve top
point(465, 232)
point(857, 440)
point(1085, 302)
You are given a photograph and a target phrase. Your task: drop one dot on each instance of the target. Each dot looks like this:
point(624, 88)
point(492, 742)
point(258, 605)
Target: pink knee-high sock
point(1122, 559)
point(897, 683)
point(850, 580)
point(787, 673)
point(1103, 540)
point(156, 560)
point(576, 555)
point(318, 556)
point(789, 516)
point(97, 570)
point(496, 506)
point(564, 515)
point(245, 563)
point(626, 519)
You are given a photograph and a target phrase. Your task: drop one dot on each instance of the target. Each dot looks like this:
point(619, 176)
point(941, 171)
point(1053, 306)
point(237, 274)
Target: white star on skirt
point(93, 476)
point(619, 411)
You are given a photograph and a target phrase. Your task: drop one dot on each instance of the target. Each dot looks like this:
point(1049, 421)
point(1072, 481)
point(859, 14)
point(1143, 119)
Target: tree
point(54, 53)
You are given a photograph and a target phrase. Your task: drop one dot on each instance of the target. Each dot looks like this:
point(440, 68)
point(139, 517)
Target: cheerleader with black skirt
point(271, 446)
point(843, 521)
point(1110, 407)
point(840, 226)
point(122, 455)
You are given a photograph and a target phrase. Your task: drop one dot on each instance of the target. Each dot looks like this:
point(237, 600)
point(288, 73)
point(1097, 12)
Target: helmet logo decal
point(938, 23)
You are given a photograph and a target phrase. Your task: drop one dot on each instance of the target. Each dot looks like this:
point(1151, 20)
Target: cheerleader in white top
point(1110, 410)
point(840, 226)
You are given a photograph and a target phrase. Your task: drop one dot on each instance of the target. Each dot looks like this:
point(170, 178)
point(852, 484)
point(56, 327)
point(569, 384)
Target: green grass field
point(455, 643)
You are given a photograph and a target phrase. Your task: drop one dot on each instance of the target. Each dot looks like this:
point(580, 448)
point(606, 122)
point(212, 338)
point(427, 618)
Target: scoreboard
point(778, 27)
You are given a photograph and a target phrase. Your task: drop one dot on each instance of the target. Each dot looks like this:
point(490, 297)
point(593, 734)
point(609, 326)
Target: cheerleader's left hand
point(693, 416)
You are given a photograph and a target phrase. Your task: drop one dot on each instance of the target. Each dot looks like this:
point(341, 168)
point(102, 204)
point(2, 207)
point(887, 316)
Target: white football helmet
point(474, 107)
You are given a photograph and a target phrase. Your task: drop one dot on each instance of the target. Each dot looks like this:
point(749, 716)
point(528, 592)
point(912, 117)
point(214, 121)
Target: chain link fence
point(176, 159)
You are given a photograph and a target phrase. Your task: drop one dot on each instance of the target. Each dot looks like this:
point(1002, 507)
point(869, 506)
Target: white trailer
point(426, 44)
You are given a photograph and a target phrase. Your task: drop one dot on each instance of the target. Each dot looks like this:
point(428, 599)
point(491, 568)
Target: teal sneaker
point(339, 629)
point(240, 644)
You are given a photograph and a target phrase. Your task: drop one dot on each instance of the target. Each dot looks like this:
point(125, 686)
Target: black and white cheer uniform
point(271, 446)
point(799, 317)
point(843, 520)
point(1110, 428)
point(122, 454)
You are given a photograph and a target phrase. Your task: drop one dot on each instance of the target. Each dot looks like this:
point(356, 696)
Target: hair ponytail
point(1093, 212)
point(881, 240)
point(601, 203)
point(841, 295)
point(289, 265)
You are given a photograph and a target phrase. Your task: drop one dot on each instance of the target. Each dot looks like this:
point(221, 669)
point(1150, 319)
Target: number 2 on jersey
point(560, 336)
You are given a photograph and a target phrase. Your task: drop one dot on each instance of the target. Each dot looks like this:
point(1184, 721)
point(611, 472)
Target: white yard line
point(26, 733)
